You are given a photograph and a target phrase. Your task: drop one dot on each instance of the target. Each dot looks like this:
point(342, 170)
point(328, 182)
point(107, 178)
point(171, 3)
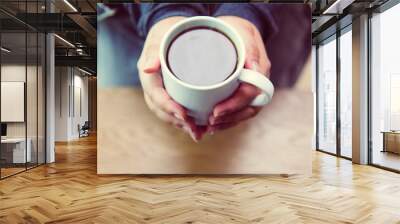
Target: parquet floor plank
point(70, 191)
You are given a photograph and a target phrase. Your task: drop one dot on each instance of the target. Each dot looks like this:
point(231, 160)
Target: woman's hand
point(157, 99)
point(236, 108)
point(225, 114)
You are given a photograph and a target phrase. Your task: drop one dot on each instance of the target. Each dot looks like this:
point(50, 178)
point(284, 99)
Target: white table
point(19, 155)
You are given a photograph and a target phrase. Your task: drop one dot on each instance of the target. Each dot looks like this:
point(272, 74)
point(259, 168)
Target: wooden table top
point(391, 132)
point(131, 140)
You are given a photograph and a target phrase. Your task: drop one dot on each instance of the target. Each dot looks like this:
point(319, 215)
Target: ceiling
point(76, 24)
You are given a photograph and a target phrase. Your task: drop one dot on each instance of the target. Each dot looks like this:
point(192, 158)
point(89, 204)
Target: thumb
point(151, 57)
point(152, 65)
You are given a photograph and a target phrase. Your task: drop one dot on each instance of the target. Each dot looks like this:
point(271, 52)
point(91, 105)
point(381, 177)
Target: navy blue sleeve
point(151, 13)
point(257, 13)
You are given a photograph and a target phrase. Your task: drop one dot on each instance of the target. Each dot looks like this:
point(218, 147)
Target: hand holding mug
point(190, 57)
point(157, 99)
point(238, 107)
point(189, 105)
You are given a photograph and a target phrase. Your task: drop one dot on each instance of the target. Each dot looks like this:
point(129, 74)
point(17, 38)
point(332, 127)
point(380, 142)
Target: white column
point(50, 100)
point(360, 90)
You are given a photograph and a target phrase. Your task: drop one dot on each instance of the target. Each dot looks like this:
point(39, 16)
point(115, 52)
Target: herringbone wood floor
point(69, 191)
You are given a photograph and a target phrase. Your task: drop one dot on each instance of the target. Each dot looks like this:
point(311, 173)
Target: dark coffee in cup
point(202, 56)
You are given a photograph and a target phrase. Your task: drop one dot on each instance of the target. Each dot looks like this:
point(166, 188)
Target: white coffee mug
point(200, 100)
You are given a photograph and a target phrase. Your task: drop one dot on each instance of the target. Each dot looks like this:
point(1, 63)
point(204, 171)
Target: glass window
point(22, 91)
point(15, 151)
point(327, 96)
point(346, 94)
point(385, 88)
point(31, 100)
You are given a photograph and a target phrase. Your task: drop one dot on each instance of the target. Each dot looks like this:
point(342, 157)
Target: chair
point(84, 130)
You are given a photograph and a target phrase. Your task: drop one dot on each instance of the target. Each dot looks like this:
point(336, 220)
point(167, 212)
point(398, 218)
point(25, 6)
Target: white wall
point(9, 73)
point(70, 83)
point(13, 101)
point(81, 84)
point(12, 73)
point(33, 127)
point(62, 82)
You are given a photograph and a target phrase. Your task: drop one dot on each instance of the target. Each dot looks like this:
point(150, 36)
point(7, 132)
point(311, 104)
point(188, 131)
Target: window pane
point(22, 89)
point(327, 97)
point(14, 153)
point(346, 94)
point(31, 99)
point(386, 88)
point(41, 98)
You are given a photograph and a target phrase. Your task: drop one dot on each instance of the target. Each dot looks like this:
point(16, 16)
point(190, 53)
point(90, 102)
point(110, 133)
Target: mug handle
point(260, 81)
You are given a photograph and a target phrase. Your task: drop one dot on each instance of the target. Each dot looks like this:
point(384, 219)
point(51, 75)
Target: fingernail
point(220, 114)
point(254, 66)
point(193, 137)
point(190, 132)
point(211, 120)
point(211, 130)
point(186, 129)
point(178, 116)
point(216, 120)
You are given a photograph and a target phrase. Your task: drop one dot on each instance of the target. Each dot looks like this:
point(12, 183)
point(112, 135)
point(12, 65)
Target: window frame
point(333, 37)
point(378, 10)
